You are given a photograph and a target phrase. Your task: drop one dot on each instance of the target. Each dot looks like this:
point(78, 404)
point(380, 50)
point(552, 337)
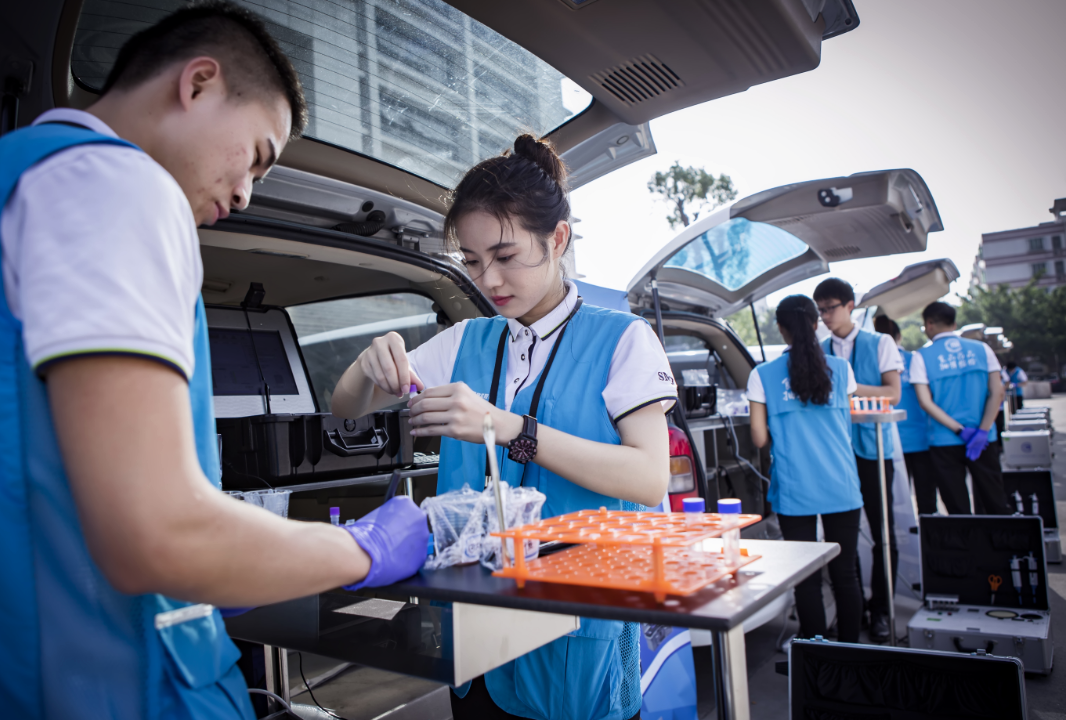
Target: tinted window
point(333, 333)
point(737, 251)
point(414, 83)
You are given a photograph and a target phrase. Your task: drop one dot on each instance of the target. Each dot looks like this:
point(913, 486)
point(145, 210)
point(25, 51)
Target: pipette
point(408, 482)
point(1018, 502)
point(488, 431)
point(1034, 501)
point(1034, 576)
point(994, 581)
point(1016, 575)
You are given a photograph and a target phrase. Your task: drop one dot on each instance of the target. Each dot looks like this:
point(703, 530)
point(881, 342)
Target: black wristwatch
point(524, 447)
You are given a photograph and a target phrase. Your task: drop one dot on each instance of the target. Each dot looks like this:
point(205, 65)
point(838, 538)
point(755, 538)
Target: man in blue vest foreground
point(117, 541)
point(957, 382)
point(876, 364)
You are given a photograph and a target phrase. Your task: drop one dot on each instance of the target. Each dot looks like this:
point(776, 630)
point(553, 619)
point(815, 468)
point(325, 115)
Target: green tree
point(742, 325)
point(690, 191)
point(910, 330)
point(1032, 318)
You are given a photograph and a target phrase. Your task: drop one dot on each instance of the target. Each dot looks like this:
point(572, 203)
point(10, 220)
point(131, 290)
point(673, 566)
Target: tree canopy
point(742, 325)
point(1032, 318)
point(690, 191)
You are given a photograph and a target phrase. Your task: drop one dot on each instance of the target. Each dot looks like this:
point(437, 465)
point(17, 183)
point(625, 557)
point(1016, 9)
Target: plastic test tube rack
point(642, 551)
point(870, 405)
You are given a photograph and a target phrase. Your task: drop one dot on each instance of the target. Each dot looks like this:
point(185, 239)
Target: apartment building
point(1018, 257)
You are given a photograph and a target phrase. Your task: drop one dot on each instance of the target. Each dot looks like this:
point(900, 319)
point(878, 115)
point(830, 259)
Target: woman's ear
point(560, 239)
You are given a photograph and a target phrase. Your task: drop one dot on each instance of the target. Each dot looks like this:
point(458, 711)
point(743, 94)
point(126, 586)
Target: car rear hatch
point(913, 289)
point(778, 237)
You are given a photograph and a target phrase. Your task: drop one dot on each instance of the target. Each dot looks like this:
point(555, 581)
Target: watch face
point(523, 449)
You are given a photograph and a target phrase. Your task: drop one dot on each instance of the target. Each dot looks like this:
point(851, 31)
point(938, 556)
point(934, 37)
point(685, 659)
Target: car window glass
point(414, 83)
point(737, 251)
point(333, 333)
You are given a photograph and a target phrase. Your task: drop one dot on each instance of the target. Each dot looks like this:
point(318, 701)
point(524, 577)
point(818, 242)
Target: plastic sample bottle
point(335, 515)
point(729, 509)
point(694, 508)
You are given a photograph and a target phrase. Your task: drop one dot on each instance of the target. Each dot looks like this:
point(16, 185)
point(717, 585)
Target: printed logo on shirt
point(957, 360)
point(483, 396)
point(953, 345)
point(667, 377)
point(789, 395)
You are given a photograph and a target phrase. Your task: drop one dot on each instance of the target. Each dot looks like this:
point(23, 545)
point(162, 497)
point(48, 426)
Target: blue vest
point(867, 372)
point(593, 673)
point(914, 431)
point(813, 470)
point(957, 369)
point(73, 646)
point(1019, 391)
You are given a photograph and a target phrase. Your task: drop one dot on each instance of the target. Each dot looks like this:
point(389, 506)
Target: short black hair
point(252, 62)
point(1011, 365)
point(939, 313)
point(834, 289)
point(887, 326)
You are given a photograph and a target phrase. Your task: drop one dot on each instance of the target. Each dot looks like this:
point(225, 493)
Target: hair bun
point(543, 155)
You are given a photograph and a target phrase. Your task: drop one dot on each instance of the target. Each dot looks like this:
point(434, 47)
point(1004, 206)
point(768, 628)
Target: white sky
point(969, 93)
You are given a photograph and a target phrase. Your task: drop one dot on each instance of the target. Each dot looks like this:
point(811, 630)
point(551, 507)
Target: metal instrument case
point(1040, 483)
point(960, 554)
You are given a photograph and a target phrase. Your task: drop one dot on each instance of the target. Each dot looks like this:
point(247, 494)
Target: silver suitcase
point(839, 680)
point(984, 586)
point(1027, 449)
point(1032, 492)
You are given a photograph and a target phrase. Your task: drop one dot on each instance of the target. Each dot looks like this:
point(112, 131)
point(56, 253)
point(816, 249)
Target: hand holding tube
point(394, 536)
point(976, 444)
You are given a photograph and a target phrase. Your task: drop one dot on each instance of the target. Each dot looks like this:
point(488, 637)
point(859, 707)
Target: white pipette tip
point(488, 430)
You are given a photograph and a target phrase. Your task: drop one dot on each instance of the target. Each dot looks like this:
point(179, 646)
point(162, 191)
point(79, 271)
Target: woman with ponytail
point(578, 396)
point(802, 401)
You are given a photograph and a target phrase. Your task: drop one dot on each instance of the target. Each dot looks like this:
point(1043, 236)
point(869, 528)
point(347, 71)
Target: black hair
point(252, 63)
point(808, 372)
point(527, 184)
point(939, 313)
point(1011, 365)
point(887, 326)
point(834, 289)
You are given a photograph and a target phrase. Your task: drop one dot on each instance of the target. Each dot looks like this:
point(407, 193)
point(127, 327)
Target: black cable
point(300, 661)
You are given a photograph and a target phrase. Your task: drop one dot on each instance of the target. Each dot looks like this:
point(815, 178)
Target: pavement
point(364, 693)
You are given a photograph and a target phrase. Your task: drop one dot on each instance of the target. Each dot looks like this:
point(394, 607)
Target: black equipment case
point(984, 585)
point(267, 412)
point(841, 681)
point(1032, 492)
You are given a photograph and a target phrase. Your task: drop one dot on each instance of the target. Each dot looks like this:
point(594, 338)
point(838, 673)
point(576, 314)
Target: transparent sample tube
point(729, 510)
point(694, 508)
point(335, 515)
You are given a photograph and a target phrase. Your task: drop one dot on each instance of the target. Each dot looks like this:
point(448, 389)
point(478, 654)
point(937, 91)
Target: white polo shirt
point(888, 357)
point(757, 393)
point(639, 375)
point(920, 377)
point(100, 255)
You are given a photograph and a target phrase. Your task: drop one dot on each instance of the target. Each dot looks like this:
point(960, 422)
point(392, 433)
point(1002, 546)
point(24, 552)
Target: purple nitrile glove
point(977, 444)
point(234, 612)
point(966, 433)
point(394, 536)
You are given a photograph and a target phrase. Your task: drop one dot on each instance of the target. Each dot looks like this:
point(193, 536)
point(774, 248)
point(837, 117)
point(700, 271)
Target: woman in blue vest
point(577, 394)
point(914, 431)
point(802, 402)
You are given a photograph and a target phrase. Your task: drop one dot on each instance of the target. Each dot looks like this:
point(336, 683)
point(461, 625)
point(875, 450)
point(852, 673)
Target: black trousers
point(925, 478)
point(988, 496)
point(870, 484)
point(843, 529)
point(1019, 403)
point(478, 705)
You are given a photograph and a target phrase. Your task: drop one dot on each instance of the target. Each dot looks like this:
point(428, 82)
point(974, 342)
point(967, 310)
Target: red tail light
point(682, 470)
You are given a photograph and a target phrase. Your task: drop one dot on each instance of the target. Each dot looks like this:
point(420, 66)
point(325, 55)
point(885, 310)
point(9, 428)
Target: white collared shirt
point(919, 376)
point(640, 371)
point(887, 355)
point(100, 254)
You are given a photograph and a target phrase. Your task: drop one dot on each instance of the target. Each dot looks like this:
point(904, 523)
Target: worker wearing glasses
point(877, 366)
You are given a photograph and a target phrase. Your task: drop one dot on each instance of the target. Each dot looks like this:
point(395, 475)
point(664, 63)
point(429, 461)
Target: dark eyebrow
point(497, 246)
point(273, 157)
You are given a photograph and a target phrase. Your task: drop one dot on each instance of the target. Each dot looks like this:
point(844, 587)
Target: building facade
point(1017, 257)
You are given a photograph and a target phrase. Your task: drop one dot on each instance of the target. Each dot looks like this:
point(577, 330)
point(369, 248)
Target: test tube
point(694, 508)
point(729, 510)
point(335, 515)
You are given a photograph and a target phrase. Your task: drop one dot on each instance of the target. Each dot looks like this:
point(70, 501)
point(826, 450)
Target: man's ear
point(850, 305)
point(199, 76)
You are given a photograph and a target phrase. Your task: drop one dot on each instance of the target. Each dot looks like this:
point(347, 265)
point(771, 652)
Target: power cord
point(300, 662)
point(277, 698)
point(735, 447)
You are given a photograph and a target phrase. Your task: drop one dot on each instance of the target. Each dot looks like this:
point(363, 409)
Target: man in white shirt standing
point(117, 541)
point(877, 365)
point(957, 382)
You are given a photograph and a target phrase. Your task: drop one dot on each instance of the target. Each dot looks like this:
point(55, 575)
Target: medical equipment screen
point(233, 363)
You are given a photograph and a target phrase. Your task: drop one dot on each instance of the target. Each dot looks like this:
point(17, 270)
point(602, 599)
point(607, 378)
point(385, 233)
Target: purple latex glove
point(966, 433)
point(976, 444)
point(234, 612)
point(394, 536)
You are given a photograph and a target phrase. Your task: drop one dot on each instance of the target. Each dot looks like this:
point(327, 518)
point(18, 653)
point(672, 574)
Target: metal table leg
point(885, 535)
point(731, 674)
point(276, 662)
